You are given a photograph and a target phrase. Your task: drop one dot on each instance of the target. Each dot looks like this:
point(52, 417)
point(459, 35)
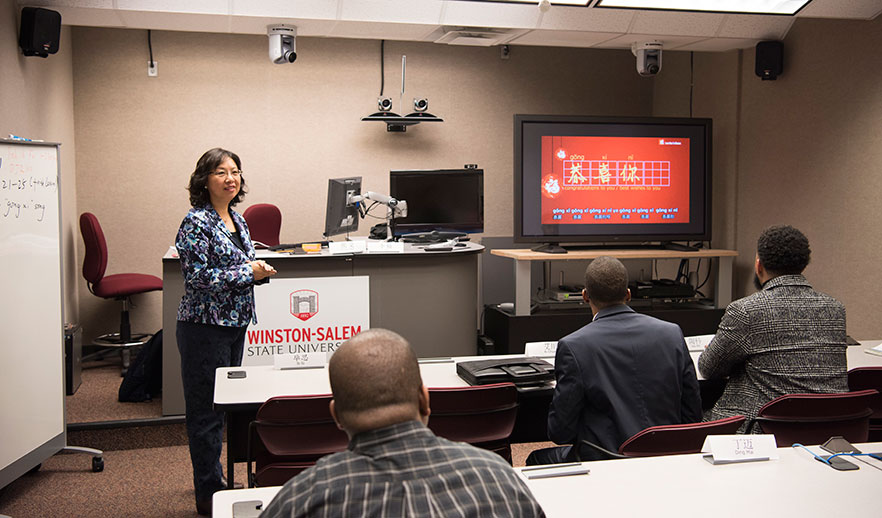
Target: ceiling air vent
point(476, 36)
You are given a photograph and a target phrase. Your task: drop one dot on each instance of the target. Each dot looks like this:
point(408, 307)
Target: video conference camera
point(282, 43)
point(649, 57)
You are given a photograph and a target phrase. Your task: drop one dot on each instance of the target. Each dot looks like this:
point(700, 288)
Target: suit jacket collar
point(613, 310)
point(786, 280)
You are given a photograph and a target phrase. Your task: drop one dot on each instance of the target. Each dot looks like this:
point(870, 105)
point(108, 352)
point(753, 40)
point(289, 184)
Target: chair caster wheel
point(97, 464)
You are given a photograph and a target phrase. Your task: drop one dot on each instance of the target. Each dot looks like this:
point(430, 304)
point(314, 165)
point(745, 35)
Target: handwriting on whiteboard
point(22, 189)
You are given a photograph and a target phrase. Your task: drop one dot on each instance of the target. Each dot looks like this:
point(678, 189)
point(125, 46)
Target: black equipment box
point(523, 372)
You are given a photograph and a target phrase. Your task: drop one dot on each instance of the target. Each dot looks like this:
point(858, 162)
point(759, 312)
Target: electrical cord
point(150, 47)
point(382, 62)
point(843, 454)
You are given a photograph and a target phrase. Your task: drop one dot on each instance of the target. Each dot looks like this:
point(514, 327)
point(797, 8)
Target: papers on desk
point(555, 470)
point(874, 350)
point(698, 343)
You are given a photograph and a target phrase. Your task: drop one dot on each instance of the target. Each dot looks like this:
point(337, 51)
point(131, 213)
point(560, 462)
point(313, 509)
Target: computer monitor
point(443, 200)
point(342, 216)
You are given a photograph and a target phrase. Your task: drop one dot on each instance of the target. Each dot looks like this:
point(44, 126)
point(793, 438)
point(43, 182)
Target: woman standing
point(217, 261)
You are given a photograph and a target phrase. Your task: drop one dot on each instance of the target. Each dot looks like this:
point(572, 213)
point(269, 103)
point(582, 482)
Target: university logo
point(304, 304)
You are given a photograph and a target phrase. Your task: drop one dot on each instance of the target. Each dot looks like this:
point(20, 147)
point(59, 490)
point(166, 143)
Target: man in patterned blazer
point(787, 338)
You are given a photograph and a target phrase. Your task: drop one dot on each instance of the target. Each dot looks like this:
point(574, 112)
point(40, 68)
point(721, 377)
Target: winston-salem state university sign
point(308, 315)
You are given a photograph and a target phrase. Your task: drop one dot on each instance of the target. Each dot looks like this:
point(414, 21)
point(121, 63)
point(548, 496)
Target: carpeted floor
point(96, 400)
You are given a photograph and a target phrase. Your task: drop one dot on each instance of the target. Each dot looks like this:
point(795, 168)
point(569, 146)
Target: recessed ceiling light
point(788, 7)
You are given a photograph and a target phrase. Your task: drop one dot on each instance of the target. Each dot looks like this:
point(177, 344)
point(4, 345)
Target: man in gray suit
point(619, 374)
point(787, 338)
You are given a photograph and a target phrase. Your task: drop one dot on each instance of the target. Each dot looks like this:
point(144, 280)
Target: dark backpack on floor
point(143, 380)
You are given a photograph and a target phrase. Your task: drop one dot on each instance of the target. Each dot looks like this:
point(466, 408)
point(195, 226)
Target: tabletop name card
point(726, 449)
point(698, 343)
point(387, 247)
point(310, 360)
point(347, 247)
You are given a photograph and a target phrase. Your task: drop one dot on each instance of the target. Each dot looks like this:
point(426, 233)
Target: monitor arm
point(397, 208)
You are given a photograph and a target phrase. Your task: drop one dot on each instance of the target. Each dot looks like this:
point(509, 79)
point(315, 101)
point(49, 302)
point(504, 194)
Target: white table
point(263, 382)
point(687, 485)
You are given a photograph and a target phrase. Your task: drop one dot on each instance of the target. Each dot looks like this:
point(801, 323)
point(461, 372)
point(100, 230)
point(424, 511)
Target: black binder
point(523, 372)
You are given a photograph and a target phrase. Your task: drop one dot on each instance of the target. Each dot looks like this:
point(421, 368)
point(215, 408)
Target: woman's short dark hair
point(606, 281)
point(783, 250)
point(206, 165)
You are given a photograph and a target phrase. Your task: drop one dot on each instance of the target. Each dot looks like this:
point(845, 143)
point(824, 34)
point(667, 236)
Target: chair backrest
point(294, 432)
point(814, 418)
point(264, 223)
point(95, 259)
point(864, 378)
point(483, 415)
point(676, 439)
point(540, 349)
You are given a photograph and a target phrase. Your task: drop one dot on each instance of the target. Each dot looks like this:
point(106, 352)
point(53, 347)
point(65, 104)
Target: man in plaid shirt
point(394, 465)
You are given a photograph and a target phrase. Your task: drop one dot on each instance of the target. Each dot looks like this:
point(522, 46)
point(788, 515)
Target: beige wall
point(295, 126)
point(810, 155)
point(36, 101)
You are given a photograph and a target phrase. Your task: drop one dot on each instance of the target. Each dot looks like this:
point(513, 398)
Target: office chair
point(264, 223)
point(120, 286)
point(862, 378)
point(481, 415)
point(672, 439)
point(814, 418)
point(288, 435)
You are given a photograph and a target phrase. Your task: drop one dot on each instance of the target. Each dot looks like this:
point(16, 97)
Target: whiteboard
point(32, 426)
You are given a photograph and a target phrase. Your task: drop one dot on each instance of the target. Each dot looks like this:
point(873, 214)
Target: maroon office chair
point(120, 286)
point(264, 223)
point(863, 378)
point(814, 418)
point(288, 435)
point(672, 439)
point(481, 415)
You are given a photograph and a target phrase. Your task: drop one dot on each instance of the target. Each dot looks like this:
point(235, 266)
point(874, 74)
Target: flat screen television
point(611, 180)
point(439, 200)
point(341, 215)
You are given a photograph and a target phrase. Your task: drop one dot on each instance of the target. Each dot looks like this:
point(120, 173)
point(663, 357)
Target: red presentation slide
point(615, 180)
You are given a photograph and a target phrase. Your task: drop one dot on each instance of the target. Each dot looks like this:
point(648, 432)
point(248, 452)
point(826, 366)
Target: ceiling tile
point(564, 38)
point(285, 9)
point(491, 14)
point(677, 24)
point(756, 27)
point(380, 31)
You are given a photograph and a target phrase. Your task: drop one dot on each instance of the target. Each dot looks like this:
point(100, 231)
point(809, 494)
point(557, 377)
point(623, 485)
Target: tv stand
point(523, 258)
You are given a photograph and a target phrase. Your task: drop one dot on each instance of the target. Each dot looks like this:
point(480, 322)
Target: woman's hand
point(261, 270)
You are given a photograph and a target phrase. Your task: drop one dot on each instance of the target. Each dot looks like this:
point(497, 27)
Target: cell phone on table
point(235, 375)
point(247, 509)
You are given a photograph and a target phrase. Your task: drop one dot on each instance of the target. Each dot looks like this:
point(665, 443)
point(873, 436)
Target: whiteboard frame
point(32, 459)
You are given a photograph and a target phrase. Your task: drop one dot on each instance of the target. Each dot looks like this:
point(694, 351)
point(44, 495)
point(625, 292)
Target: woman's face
point(224, 182)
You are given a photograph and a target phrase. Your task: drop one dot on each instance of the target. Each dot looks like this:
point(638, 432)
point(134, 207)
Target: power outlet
point(152, 71)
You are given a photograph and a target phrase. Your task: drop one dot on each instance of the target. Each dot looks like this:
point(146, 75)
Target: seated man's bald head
point(375, 379)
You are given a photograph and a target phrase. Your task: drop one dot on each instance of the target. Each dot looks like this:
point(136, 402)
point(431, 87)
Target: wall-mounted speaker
point(769, 59)
point(40, 31)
